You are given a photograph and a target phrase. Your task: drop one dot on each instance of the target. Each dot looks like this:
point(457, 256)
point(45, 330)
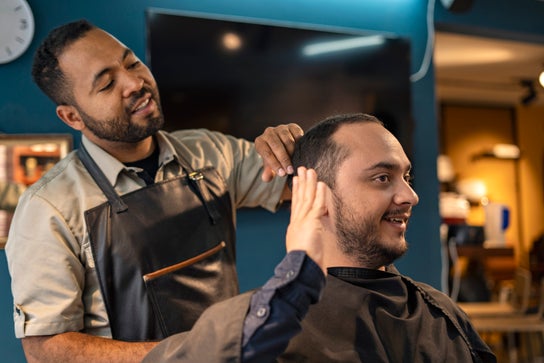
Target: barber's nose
point(132, 83)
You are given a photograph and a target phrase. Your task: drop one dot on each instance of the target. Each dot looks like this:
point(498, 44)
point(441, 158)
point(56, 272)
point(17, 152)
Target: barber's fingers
point(268, 174)
point(276, 145)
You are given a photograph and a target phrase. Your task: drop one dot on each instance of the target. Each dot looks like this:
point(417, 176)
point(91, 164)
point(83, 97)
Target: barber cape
point(363, 316)
point(376, 316)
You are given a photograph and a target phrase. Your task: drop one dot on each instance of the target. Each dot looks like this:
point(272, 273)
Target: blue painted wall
point(23, 109)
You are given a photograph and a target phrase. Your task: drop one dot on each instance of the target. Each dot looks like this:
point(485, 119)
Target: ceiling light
point(541, 79)
point(505, 151)
point(344, 44)
point(500, 151)
point(232, 41)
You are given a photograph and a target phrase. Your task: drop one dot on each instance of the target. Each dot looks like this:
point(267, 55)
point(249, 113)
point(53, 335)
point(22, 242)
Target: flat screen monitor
point(239, 75)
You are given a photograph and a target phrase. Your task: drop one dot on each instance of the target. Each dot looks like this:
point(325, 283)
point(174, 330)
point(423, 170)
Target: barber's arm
point(48, 288)
point(77, 347)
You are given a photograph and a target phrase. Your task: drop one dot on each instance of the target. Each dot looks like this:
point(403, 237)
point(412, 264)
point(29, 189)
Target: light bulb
point(541, 79)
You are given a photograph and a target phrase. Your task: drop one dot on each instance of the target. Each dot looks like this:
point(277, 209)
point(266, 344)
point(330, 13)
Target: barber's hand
point(276, 146)
point(310, 222)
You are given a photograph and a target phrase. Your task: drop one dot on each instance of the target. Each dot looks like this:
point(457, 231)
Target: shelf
point(484, 252)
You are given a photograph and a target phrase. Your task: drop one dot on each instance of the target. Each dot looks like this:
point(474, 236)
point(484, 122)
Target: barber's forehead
point(92, 44)
point(101, 38)
point(91, 52)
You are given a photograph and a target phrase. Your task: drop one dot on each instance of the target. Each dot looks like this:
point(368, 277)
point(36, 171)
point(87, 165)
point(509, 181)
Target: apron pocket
point(169, 269)
point(180, 293)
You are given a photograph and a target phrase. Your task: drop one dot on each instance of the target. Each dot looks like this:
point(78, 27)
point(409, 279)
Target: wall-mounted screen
point(241, 75)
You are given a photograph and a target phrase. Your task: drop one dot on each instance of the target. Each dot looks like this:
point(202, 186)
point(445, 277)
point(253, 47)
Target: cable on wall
point(426, 61)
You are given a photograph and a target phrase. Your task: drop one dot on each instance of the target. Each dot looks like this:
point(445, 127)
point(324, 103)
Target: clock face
point(16, 29)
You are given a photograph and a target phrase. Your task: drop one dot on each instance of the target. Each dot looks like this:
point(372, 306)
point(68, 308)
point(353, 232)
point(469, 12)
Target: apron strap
point(114, 199)
point(197, 179)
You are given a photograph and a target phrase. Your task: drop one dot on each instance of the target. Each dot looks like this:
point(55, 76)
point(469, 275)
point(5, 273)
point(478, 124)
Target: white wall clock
point(16, 29)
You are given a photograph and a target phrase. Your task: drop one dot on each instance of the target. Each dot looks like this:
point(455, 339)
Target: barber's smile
point(143, 106)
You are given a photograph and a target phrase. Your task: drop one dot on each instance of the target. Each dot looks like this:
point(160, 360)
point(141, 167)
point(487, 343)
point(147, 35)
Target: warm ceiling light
point(505, 151)
point(232, 41)
point(541, 79)
point(500, 151)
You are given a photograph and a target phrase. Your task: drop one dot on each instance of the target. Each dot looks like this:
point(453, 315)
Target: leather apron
point(163, 253)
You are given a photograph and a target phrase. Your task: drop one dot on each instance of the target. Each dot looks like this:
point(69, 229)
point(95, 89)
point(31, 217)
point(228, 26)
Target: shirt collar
point(361, 273)
point(167, 150)
point(111, 167)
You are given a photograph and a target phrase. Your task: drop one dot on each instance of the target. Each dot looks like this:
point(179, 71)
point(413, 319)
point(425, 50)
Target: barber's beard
point(359, 238)
point(122, 128)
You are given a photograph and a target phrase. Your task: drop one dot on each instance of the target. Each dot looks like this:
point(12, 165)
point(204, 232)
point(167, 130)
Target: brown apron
point(163, 253)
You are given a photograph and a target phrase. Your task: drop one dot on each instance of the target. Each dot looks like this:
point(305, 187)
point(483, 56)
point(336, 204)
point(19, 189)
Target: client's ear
point(329, 202)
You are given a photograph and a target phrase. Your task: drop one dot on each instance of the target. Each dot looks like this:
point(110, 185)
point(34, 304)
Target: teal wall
point(23, 109)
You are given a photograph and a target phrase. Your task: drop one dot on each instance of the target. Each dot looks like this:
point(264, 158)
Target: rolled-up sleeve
point(47, 276)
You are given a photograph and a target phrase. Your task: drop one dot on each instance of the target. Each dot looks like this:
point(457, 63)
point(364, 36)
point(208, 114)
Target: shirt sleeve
point(277, 309)
point(238, 163)
point(47, 276)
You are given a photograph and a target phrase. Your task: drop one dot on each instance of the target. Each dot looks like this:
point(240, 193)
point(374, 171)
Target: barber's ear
point(70, 116)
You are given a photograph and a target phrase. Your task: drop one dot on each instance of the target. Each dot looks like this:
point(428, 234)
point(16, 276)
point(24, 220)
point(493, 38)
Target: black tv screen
point(239, 76)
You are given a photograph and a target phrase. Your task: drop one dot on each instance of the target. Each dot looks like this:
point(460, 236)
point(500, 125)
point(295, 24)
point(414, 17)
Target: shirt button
point(289, 274)
point(261, 312)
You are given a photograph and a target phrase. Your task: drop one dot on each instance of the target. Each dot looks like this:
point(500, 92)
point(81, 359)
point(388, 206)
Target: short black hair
point(317, 150)
point(46, 72)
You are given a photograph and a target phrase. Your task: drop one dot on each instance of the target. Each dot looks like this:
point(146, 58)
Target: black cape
point(375, 316)
point(363, 316)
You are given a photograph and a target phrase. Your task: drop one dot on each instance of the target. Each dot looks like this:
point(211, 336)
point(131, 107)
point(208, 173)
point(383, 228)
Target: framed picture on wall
point(24, 158)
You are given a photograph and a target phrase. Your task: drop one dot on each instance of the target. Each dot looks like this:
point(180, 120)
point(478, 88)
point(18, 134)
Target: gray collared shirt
point(54, 282)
